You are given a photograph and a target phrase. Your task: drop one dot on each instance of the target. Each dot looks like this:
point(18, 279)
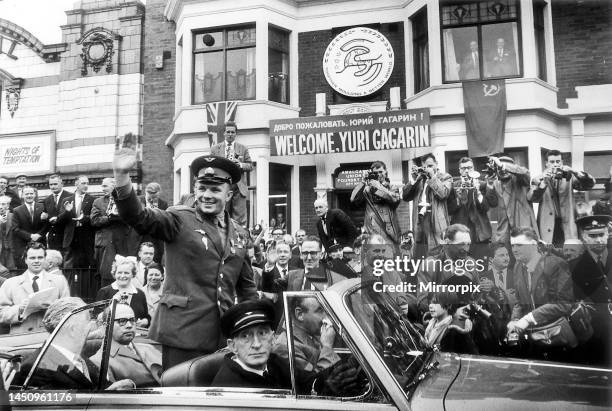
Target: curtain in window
point(450, 60)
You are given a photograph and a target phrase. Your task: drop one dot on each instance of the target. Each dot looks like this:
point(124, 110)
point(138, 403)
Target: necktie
point(35, 284)
point(31, 207)
point(78, 200)
point(500, 277)
point(475, 59)
point(324, 221)
point(55, 198)
point(601, 264)
point(284, 273)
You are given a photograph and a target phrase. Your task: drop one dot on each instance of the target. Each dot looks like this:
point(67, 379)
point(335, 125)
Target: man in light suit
point(239, 154)
point(15, 292)
point(139, 362)
point(53, 207)
point(554, 190)
point(29, 225)
point(78, 233)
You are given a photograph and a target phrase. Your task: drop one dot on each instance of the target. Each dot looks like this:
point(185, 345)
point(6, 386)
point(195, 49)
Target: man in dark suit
point(75, 218)
point(151, 199)
point(334, 226)
point(53, 207)
point(314, 275)
point(29, 225)
point(470, 66)
point(543, 283)
point(21, 181)
point(113, 235)
point(6, 191)
point(6, 234)
point(238, 154)
point(206, 260)
point(502, 60)
point(592, 280)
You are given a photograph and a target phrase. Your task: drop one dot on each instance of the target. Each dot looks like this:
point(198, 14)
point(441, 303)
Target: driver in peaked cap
point(205, 255)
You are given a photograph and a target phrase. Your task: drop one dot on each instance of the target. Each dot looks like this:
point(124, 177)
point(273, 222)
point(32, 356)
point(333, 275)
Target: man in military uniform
point(592, 280)
point(206, 268)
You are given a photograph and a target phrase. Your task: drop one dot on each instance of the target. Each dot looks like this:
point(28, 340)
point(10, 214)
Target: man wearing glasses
point(138, 362)
point(313, 276)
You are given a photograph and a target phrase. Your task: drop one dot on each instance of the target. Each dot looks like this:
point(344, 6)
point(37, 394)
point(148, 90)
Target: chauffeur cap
point(215, 170)
point(245, 315)
point(591, 223)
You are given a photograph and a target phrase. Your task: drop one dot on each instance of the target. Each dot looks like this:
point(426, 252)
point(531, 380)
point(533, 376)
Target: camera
point(467, 182)
point(560, 174)
point(372, 175)
point(474, 310)
point(491, 169)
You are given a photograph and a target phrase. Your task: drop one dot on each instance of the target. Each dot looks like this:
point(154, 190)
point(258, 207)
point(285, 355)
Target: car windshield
point(393, 337)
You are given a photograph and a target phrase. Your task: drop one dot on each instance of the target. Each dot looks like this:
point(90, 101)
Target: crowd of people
point(181, 271)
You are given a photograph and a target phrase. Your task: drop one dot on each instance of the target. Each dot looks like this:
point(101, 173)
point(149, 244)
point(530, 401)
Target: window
point(420, 46)
point(480, 40)
point(278, 65)
point(538, 24)
point(224, 65)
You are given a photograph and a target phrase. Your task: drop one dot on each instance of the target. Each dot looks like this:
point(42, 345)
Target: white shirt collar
point(249, 369)
point(30, 275)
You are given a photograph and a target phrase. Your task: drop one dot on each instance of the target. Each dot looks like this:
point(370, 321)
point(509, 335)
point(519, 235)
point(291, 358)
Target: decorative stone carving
point(12, 99)
point(97, 49)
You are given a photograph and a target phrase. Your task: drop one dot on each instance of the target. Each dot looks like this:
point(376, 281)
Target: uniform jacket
point(203, 276)
point(24, 227)
point(514, 208)
point(143, 365)
point(564, 191)
point(16, 289)
point(471, 213)
point(551, 293)
point(55, 233)
point(435, 222)
point(66, 218)
point(380, 212)
point(340, 227)
point(242, 154)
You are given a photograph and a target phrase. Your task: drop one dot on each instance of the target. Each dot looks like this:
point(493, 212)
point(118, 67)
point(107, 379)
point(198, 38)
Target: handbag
point(556, 334)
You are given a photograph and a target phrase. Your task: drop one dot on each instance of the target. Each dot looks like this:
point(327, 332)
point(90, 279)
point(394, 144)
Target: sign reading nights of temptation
point(386, 130)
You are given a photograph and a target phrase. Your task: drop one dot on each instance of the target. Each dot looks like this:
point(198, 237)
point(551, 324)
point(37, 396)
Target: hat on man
point(247, 314)
point(335, 247)
point(21, 175)
point(215, 170)
point(506, 159)
point(591, 223)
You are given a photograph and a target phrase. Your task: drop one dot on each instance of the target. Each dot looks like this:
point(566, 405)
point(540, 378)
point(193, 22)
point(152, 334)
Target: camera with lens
point(419, 172)
point(474, 310)
point(491, 169)
point(560, 174)
point(372, 175)
point(467, 182)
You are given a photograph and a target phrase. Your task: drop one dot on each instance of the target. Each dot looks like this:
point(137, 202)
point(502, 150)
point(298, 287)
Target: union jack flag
point(216, 116)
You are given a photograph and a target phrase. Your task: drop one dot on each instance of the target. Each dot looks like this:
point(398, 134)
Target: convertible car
point(397, 370)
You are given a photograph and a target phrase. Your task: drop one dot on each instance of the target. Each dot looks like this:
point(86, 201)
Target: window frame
point(286, 32)
point(195, 51)
point(479, 25)
point(421, 80)
point(539, 27)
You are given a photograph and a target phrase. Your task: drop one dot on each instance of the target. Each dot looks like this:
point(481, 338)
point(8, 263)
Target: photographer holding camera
point(473, 198)
point(429, 193)
point(554, 191)
point(381, 201)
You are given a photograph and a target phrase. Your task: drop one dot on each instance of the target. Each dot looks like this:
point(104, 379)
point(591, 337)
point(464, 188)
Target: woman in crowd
point(450, 334)
point(124, 270)
point(153, 287)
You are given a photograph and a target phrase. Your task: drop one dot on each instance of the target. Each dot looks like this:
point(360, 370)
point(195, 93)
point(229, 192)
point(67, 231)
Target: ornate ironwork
point(97, 51)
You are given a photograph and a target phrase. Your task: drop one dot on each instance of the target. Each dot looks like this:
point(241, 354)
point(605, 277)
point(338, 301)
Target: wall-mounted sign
point(386, 130)
point(27, 153)
point(348, 179)
point(358, 62)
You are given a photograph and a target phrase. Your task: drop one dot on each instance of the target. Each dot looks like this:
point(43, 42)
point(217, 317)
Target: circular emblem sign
point(358, 62)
